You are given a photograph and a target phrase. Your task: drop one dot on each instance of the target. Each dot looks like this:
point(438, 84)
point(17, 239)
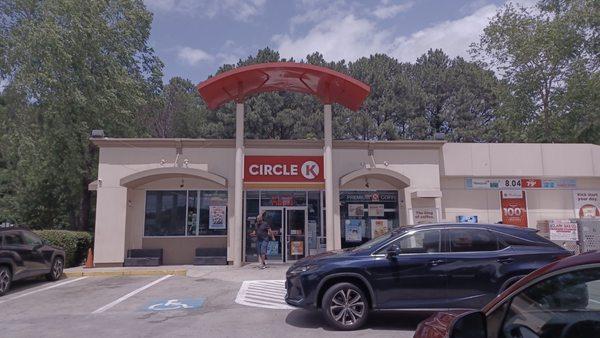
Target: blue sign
point(467, 219)
point(174, 304)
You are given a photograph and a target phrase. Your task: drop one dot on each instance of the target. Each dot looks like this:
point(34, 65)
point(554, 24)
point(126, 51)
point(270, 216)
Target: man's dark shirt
point(262, 231)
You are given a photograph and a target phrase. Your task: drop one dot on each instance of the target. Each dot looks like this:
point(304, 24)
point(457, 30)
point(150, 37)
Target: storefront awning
point(326, 84)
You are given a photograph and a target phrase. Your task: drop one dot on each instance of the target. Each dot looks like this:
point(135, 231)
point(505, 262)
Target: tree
point(547, 57)
point(78, 66)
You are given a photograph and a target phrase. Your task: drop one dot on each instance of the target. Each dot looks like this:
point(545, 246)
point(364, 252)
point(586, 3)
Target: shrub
point(75, 243)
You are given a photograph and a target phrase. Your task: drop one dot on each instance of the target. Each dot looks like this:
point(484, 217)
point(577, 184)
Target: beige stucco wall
point(430, 167)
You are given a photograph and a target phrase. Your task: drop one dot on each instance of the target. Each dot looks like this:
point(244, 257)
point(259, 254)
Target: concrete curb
point(157, 272)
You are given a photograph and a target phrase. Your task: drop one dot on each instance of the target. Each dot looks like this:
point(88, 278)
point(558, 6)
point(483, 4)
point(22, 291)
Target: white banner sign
point(563, 230)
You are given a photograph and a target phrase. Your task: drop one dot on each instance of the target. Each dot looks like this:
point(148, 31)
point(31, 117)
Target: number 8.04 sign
point(514, 207)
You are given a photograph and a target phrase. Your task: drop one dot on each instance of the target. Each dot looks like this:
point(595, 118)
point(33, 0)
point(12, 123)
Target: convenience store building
point(182, 194)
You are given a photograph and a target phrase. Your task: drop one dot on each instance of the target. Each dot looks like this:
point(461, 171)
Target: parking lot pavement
point(175, 306)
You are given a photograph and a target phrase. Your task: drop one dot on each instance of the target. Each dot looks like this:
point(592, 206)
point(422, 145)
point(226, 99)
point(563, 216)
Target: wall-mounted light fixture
point(366, 183)
point(181, 185)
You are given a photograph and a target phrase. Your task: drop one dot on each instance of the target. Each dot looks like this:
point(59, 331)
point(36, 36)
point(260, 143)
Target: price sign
point(508, 183)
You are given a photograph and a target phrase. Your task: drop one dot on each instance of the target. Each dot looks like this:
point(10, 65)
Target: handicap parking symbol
point(174, 304)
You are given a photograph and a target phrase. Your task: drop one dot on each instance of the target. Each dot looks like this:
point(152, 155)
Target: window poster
point(297, 248)
point(376, 210)
point(514, 207)
point(356, 210)
point(354, 230)
point(379, 227)
point(424, 215)
point(587, 203)
point(217, 216)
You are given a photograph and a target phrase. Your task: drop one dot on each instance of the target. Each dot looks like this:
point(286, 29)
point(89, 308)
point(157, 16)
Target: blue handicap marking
point(174, 304)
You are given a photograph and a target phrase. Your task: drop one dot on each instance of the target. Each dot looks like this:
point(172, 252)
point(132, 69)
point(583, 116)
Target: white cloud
point(346, 38)
point(454, 37)
point(387, 10)
point(351, 37)
point(241, 10)
point(192, 56)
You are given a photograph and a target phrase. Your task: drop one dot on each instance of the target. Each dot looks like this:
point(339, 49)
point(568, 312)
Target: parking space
point(142, 306)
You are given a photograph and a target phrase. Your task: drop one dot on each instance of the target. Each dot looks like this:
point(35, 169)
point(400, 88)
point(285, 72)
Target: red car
point(559, 300)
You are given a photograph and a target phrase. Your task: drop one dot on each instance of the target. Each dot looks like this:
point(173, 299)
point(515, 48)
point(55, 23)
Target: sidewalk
point(225, 272)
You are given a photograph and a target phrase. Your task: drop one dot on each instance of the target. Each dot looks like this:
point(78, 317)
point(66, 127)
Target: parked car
point(23, 254)
point(419, 268)
point(560, 300)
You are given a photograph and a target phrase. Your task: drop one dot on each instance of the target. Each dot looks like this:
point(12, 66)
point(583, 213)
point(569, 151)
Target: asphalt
point(137, 306)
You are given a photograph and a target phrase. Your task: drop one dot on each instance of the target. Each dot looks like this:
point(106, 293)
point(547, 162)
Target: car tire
point(56, 270)
point(345, 306)
point(5, 280)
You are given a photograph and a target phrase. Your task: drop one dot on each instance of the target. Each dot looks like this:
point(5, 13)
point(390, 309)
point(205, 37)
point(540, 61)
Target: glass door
point(295, 233)
point(274, 218)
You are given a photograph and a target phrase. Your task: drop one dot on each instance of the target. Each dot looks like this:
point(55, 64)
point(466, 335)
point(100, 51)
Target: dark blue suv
point(425, 268)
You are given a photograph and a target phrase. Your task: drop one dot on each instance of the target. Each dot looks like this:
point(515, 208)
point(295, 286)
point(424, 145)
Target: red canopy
point(328, 85)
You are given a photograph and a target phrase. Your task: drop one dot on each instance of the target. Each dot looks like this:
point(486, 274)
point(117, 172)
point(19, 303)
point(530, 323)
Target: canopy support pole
point(237, 238)
point(328, 162)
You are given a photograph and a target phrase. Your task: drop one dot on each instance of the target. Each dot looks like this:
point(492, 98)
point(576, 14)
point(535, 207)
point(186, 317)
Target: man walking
point(263, 233)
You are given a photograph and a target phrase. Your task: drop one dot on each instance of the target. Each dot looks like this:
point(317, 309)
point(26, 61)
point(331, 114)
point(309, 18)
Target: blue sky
point(194, 37)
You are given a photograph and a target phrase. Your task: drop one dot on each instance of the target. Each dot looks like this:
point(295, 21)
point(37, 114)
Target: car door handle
point(505, 260)
point(436, 262)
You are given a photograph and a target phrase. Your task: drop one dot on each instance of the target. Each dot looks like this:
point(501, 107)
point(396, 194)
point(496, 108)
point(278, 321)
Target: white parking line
point(131, 294)
point(21, 295)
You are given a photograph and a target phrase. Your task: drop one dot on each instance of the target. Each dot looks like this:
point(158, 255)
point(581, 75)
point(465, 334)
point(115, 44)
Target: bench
point(210, 256)
point(144, 257)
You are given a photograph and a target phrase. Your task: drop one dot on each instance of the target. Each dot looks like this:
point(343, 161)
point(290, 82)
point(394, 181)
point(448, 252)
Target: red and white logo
point(283, 169)
point(310, 170)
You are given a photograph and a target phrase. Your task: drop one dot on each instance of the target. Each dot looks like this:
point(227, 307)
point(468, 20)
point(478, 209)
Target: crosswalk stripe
point(268, 294)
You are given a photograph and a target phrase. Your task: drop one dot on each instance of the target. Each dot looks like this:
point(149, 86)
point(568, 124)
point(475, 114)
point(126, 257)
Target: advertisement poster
point(297, 248)
point(356, 210)
point(467, 219)
point(217, 216)
point(376, 210)
point(563, 230)
point(513, 206)
point(424, 215)
point(354, 230)
point(379, 227)
point(587, 203)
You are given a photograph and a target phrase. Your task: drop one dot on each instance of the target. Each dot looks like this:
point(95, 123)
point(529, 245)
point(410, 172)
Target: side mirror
point(469, 325)
point(393, 251)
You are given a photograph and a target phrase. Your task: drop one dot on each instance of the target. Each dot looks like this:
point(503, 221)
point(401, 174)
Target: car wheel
point(345, 306)
point(5, 279)
point(57, 269)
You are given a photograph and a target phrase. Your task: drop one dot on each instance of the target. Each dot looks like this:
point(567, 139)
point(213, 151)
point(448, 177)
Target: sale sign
point(514, 207)
point(283, 169)
point(531, 183)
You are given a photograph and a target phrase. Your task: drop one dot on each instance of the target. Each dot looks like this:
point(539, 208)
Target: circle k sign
point(283, 169)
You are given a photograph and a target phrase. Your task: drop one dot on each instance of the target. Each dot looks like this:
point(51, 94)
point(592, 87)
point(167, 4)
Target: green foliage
point(75, 243)
point(71, 66)
point(549, 59)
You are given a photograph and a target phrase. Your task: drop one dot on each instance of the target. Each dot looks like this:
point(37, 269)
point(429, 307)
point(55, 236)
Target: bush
point(75, 243)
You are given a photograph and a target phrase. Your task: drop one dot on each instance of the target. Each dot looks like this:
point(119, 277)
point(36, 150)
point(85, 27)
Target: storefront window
point(186, 213)
point(366, 215)
point(165, 213)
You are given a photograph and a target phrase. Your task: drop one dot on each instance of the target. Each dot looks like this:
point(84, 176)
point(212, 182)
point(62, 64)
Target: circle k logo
point(310, 170)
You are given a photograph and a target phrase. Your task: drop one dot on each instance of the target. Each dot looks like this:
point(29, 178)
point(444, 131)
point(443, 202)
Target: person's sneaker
point(263, 266)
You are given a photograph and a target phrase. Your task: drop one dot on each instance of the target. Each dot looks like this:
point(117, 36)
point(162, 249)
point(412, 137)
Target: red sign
point(283, 169)
point(531, 183)
point(514, 207)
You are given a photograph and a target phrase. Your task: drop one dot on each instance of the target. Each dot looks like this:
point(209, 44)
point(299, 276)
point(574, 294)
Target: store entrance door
point(289, 228)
